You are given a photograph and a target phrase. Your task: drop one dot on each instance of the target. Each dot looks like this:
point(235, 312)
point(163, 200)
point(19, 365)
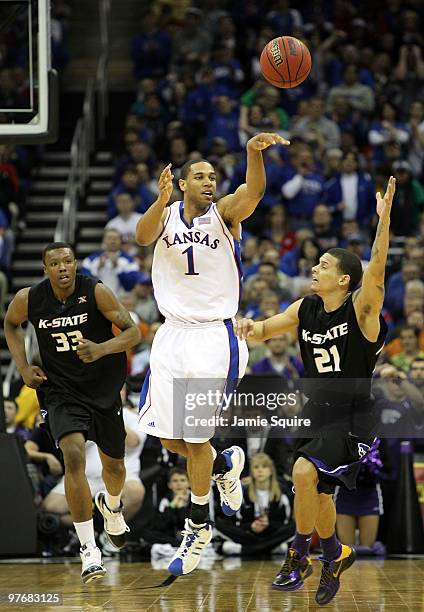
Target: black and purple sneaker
point(331, 572)
point(293, 572)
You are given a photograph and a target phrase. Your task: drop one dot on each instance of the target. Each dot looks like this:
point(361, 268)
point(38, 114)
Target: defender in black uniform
point(84, 369)
point(340, 331)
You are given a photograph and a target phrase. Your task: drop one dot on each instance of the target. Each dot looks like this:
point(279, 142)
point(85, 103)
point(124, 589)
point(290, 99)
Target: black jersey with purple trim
point(332, 344)
point(58, 328)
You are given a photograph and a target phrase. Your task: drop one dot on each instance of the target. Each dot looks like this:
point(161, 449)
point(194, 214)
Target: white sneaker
point(114, 523)
point(161, 551)
point(231, 548)
point(229, 484)
point(108, 549)
point(92, 566)
point(187, 557)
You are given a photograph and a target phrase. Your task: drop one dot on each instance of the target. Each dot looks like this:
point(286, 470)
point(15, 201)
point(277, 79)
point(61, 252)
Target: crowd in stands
point(357, 119)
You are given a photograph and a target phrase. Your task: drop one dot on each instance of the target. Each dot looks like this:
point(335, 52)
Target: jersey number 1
point(190, 262)
point(327, 361)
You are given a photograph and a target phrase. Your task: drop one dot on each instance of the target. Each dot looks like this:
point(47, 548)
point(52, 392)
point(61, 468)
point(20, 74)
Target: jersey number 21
point(327, 361)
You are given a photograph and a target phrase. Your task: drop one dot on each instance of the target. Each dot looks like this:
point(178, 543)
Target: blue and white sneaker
point(187, 557)
point(229, 484)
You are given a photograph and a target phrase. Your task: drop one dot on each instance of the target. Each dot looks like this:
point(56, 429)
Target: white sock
point(113, 501)
point(85, 532)
point(200, 500)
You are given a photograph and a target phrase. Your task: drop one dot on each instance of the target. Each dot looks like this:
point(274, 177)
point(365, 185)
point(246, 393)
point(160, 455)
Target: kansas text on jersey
point(196, 270)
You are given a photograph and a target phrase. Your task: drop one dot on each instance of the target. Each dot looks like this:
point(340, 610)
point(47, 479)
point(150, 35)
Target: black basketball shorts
point(65, 415)
point(336, 459)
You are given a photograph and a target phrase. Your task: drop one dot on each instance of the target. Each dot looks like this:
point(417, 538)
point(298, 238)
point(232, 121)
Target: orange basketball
point(285, 61)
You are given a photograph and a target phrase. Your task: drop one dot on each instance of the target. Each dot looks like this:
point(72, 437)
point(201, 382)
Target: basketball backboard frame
point(44, 127)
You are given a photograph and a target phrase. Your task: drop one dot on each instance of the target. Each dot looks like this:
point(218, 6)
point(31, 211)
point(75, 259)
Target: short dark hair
point(177, 470)
point(126, 193)
point(12, 401)
point(269, 264)
point(348, 263)
point(56, 245)
point(184, 172)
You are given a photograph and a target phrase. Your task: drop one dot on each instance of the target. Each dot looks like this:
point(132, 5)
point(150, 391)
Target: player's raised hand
point(243, 328)
point(165, 185)
point(33, 376)
point(89, 351)
point(384, 204)
point(264, 140)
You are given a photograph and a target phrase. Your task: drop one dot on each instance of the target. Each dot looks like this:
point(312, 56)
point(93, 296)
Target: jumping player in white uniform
point(196, 276)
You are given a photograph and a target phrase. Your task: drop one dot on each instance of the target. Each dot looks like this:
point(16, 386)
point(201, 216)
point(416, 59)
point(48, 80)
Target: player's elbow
point(143, 240)
point(254, 195)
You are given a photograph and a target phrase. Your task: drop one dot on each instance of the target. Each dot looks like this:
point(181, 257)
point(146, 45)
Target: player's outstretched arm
point(368, 299)
point(17, 313)
point(116, 313)
point(239, 205)
point(152, 222)
point(274, 326)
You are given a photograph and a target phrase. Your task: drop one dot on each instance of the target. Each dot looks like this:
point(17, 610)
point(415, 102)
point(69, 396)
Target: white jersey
point(196, 270)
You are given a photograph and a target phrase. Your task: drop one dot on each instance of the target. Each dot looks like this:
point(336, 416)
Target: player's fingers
point(246, 325)
point(40, 373)
point(240, 329)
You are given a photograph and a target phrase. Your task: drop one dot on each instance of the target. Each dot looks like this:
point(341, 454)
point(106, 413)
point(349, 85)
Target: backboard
point(28, 85)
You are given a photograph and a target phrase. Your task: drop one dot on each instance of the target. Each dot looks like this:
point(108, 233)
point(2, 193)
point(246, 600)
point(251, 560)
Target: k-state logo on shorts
point(363, 449)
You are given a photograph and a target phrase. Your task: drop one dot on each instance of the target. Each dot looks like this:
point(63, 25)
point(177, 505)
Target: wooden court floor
point(230, 585)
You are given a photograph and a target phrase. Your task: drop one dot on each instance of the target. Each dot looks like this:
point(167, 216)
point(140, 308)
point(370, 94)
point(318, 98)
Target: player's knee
point(196, 449)
point(304, 474)
point(115, 467)
point(73, 455)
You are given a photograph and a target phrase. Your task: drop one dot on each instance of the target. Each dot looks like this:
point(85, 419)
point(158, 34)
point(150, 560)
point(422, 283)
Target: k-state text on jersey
point(191, 238)
point(331, 334)
point(63, 321)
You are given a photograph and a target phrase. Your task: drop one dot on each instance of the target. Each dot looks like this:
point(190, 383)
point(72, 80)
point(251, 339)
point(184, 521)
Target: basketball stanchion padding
point(406, 532)
point(18, 517)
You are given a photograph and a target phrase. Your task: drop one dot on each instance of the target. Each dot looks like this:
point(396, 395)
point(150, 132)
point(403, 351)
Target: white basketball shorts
point(193, 368)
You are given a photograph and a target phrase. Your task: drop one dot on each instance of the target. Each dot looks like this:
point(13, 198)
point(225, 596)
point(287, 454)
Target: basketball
point(285, 62)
